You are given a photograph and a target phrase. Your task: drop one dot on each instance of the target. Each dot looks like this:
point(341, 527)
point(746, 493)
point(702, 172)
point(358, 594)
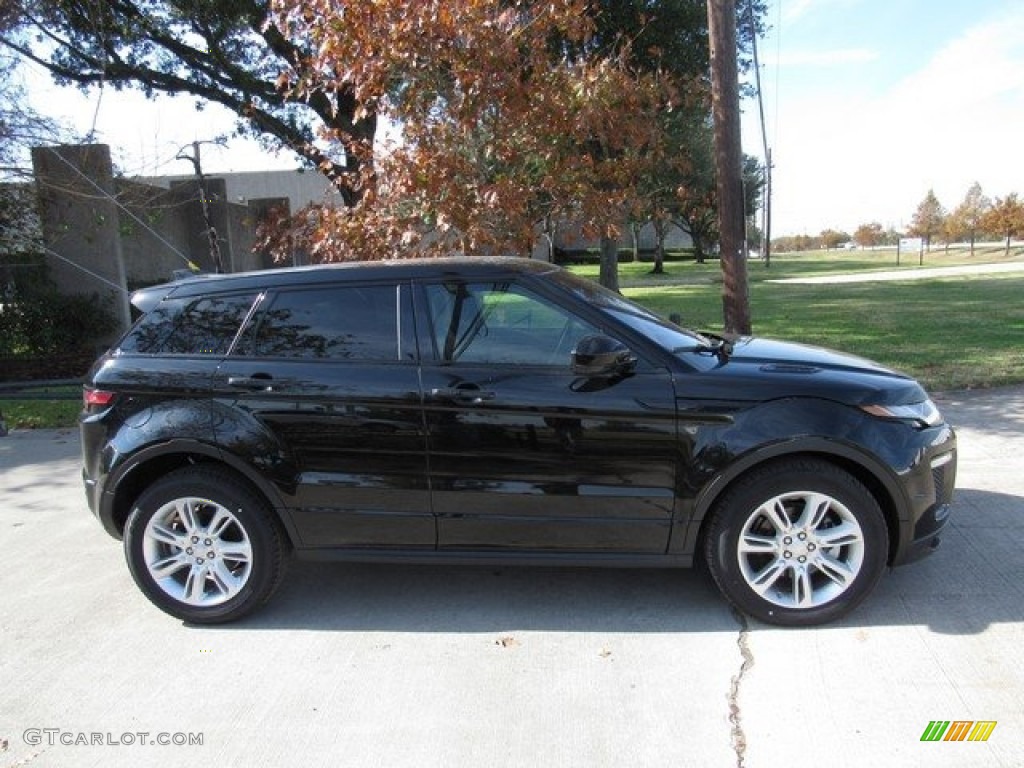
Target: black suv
point(495, 410)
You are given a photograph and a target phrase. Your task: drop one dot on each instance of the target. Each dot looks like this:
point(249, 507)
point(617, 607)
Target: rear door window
point(351, 322)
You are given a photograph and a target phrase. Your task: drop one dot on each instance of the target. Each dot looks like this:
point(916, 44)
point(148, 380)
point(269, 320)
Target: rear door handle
point(263, 382)
point(462, 393)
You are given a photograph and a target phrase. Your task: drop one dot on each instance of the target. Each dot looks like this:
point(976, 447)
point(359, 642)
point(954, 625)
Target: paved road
point(355, 665)
point(912, 273)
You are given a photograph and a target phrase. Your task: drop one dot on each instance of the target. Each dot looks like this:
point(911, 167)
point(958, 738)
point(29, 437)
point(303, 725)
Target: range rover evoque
point(483, 410)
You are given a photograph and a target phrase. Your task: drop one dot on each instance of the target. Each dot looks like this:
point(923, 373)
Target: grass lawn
point(951, 333)
point(42, 413)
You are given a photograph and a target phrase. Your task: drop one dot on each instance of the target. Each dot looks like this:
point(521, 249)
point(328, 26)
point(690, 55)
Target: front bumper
point(931, 493)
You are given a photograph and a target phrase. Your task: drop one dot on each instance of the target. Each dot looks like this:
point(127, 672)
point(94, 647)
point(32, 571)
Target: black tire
point(814, 543)
point(204, 547)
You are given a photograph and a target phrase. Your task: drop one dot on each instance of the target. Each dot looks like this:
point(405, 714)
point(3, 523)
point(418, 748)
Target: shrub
point(36, 320)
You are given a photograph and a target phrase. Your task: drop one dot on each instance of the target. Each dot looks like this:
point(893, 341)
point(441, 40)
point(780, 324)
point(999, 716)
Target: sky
point(871, 103)
point(868, 105)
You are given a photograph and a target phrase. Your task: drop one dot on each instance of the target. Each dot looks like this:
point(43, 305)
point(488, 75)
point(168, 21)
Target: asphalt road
point(357, 665)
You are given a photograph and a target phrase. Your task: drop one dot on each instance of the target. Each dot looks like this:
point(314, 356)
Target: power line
point(766, 206)
point(116, 202)
point(89, 272)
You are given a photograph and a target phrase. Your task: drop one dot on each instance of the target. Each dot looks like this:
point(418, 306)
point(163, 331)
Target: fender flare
point(895, 503)
point(112, 516)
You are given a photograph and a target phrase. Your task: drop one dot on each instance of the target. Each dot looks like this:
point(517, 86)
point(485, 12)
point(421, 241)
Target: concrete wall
point(155, 241)
point(300, 187)
point(109, 235)
point(80, 222)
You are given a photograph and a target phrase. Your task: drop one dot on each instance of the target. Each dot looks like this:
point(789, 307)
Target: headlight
point(923, 414)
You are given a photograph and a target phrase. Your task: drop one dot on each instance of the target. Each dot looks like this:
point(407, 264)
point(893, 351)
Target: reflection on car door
point(329, 376)
point(524, 454)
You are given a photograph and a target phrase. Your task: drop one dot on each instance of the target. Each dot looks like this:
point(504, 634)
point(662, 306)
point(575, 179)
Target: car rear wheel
point(203, 547)
point(797, 543)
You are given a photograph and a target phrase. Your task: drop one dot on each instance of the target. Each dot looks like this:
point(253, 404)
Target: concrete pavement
point(356, 665)
point(908, 273)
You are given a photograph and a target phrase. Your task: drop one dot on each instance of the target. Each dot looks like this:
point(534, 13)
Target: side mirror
point(601, 356)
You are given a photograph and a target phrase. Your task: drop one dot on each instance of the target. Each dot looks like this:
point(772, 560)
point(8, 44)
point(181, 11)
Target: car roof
point(145, 299)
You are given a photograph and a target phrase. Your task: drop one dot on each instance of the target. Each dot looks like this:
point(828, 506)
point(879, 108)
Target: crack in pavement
point(737, 737)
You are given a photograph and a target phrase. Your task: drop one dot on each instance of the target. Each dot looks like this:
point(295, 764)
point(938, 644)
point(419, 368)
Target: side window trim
point(244, 327)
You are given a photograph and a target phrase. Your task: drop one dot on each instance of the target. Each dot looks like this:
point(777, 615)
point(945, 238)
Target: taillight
point(97, 397)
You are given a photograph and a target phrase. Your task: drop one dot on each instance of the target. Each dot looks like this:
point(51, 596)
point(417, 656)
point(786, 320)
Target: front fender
point(722, 452)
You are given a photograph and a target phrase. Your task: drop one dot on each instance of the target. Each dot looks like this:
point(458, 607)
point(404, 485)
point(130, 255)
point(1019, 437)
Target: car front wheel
point(203, 547)
point(797, 543)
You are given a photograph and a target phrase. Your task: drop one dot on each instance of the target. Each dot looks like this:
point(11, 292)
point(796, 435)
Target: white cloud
point(842, 160)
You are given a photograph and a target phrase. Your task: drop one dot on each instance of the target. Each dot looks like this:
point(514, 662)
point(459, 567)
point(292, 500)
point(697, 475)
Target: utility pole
point(766, 198)
point(204, 201)
point(725, 103)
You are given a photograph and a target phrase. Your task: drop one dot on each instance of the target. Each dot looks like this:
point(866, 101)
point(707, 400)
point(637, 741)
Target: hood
point(767, 369)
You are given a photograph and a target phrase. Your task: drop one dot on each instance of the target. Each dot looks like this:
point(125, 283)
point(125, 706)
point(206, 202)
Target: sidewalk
point(410, 666)
point(910, 273)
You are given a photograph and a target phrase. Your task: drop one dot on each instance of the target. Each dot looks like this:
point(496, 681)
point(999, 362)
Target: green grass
point(43, 413)
point(951, 333)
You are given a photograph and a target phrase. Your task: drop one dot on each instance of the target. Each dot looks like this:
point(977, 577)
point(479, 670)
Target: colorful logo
point(958, 730)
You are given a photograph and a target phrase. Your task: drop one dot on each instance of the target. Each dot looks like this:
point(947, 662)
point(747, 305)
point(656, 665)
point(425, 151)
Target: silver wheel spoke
point(236, 551)
point(188, 516)
point(165, 535)
point(847, 533)
point(835, 569)
point(766, 578)
point(754, 543)
point(221, 521)
point(195, 585)
point(169, 565)
point(223, 578)
point(816, 507)
point(779, 517)
point(803, 590)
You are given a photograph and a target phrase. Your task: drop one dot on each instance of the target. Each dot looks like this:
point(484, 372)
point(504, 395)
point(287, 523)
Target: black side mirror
point(602, 356)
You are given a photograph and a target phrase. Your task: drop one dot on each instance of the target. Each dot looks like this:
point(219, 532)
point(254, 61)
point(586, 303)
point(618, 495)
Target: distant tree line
point(976, 217)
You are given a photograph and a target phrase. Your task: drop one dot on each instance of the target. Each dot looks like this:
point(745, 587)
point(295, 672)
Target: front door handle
point(465, 392)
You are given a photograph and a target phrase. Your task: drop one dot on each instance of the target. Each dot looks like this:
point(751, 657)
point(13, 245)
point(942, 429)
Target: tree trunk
point(659, 252)
point(610, 263)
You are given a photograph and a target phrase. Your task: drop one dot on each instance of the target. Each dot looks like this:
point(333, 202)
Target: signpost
point(909, 245)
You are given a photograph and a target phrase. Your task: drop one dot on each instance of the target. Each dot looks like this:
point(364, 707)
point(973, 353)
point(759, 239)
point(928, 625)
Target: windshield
point(667, 335)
